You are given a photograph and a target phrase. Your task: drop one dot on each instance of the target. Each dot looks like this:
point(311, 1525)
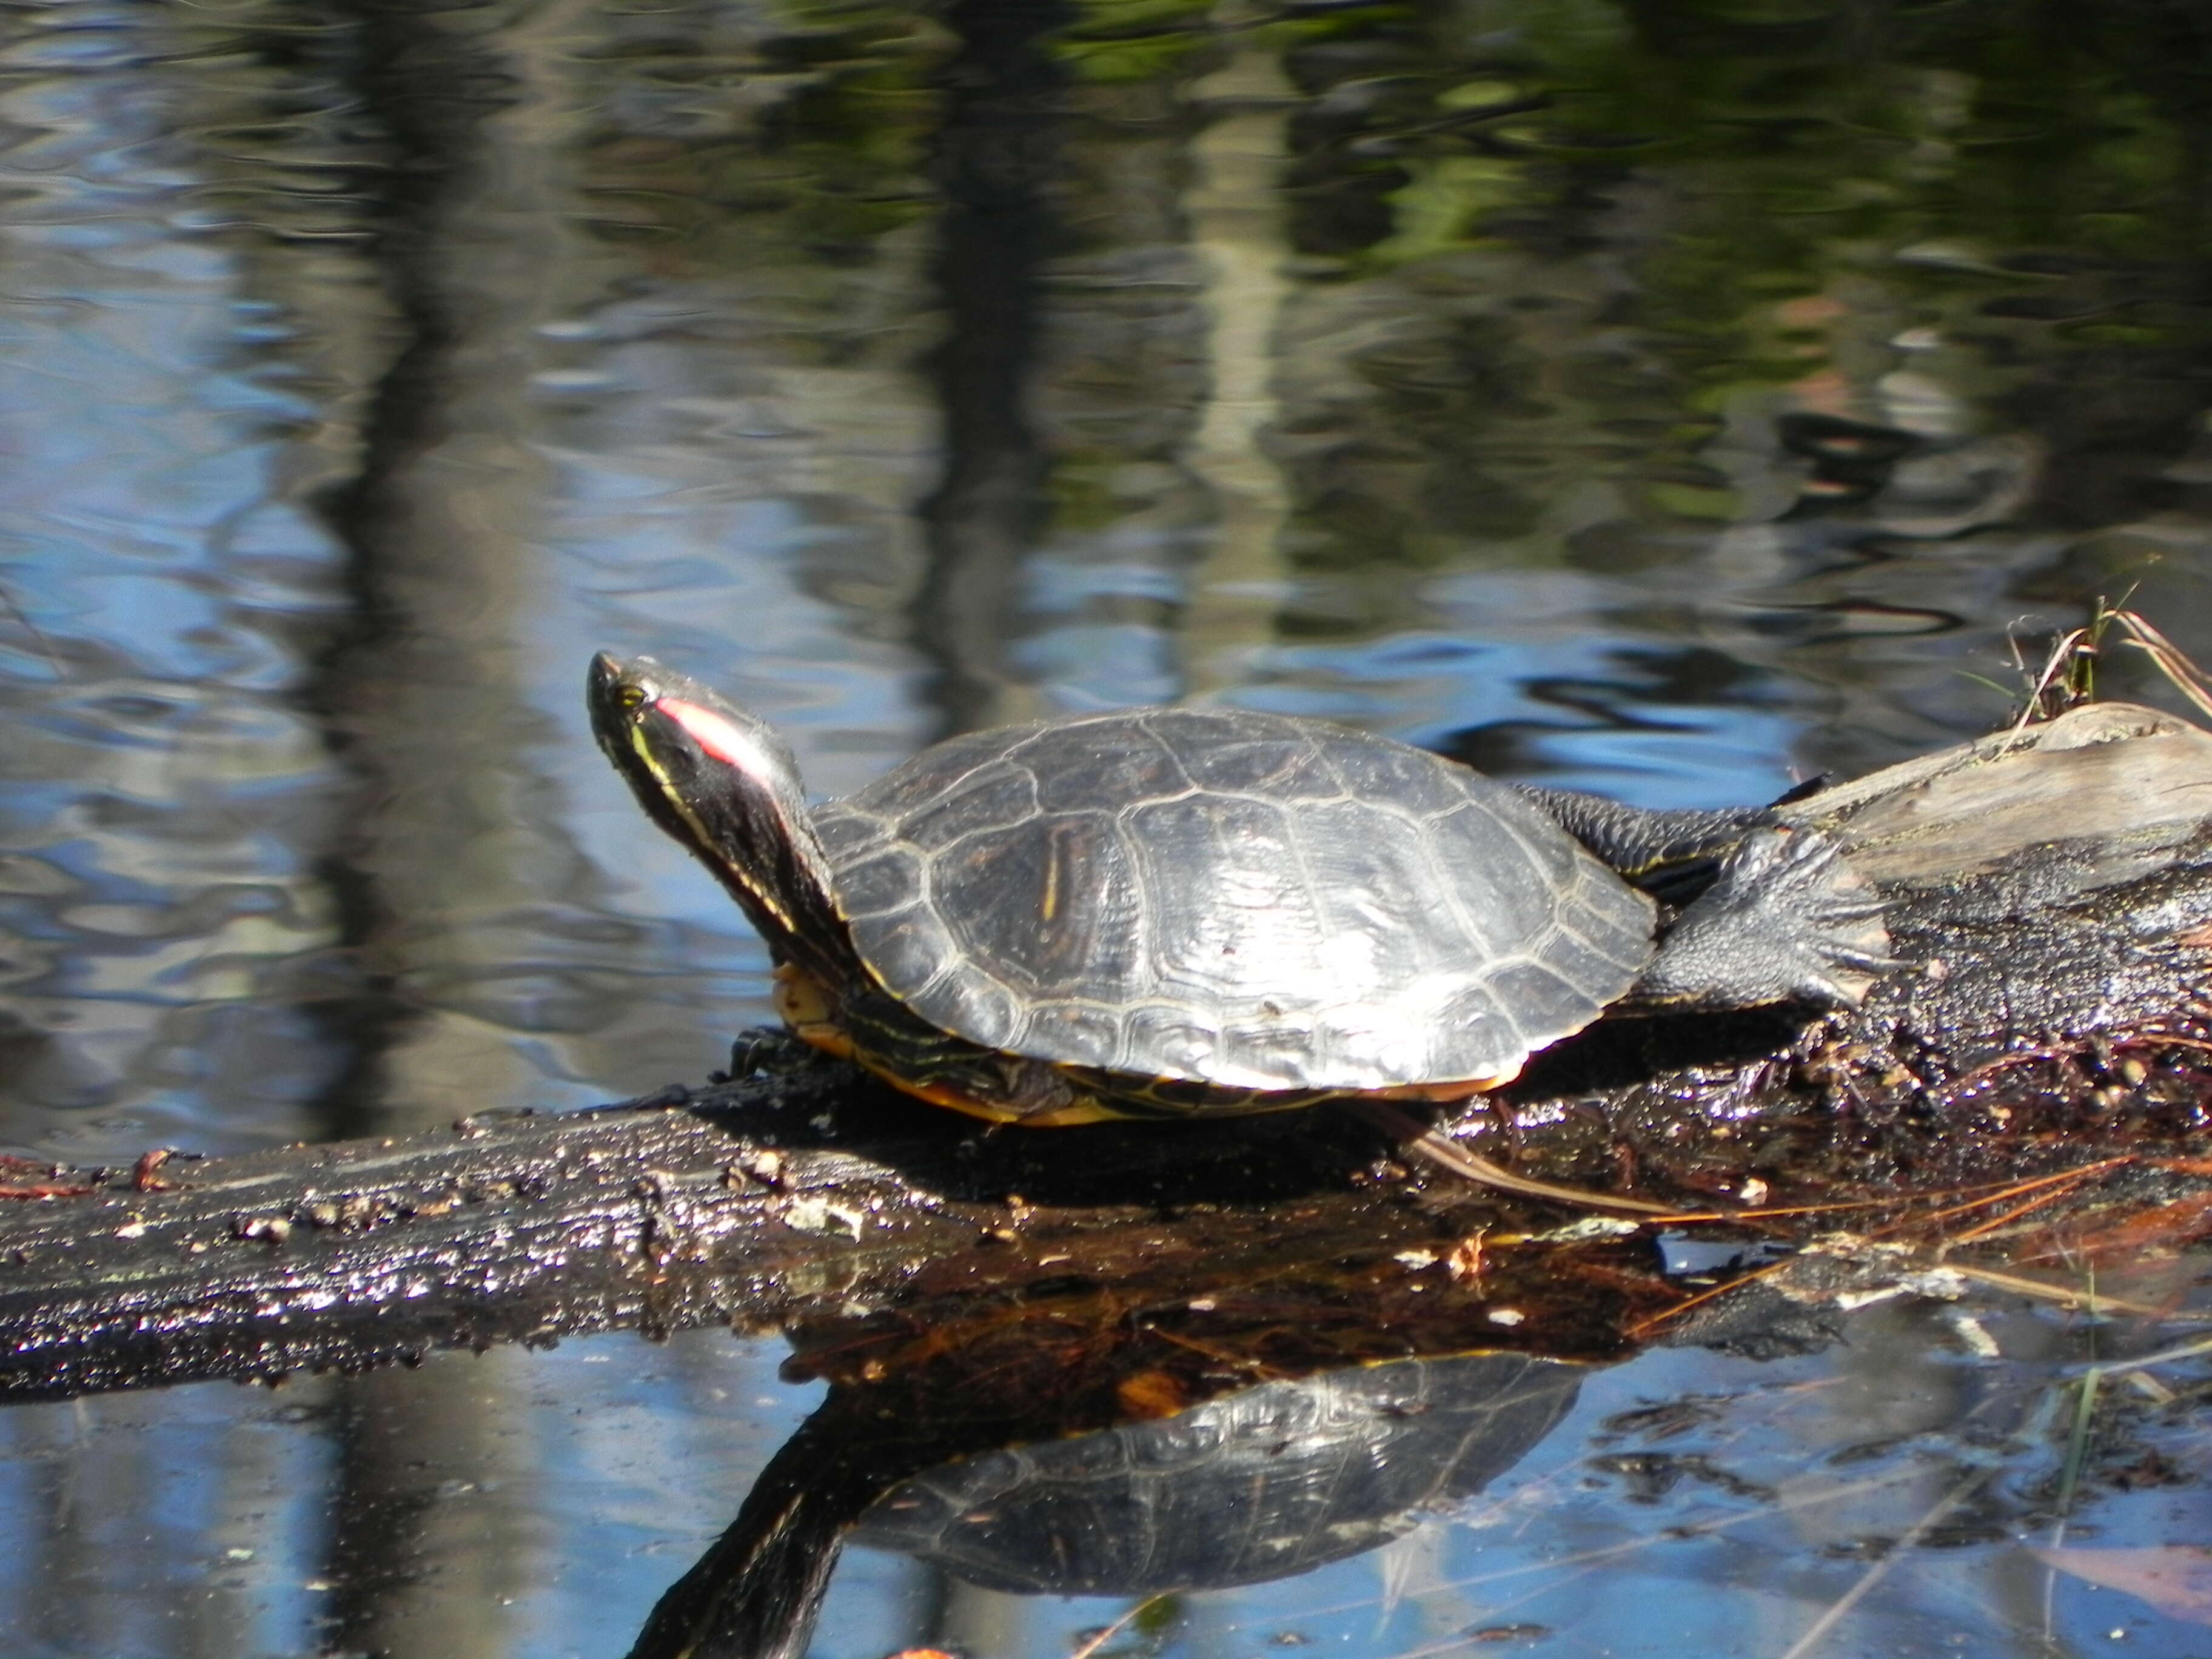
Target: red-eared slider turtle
point(1169, 912)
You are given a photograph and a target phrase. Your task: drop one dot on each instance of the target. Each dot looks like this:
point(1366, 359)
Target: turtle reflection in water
point(1276, 1479)
point(1177, 912)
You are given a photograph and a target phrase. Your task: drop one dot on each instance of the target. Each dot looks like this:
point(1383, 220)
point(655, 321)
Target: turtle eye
point(631, 697)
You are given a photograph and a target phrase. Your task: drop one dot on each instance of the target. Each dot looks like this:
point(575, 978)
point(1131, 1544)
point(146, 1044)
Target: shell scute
point(912, 789)
point(1048, 907)
point(1506, 882)
point(1225, 893)
point(992, 797)
point(1100, 763)
point(1408, 779)
point(1287, 767)
point(1188, 1042)
point(1541, 1003)
point(1488, 1042)
point(1079, 1034)
point(1387, 908)
point(1584, 962)
point(889, 880)
point(1262, 1050)
point(911, 952)
point(847, 833)
point(988, 1012)
point(1612, 919)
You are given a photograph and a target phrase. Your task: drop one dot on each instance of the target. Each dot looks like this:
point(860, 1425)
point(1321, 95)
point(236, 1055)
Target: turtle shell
point(1249, 900)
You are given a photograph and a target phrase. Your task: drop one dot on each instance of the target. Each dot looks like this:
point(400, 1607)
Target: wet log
point(749, 1204)
point(2051, 891)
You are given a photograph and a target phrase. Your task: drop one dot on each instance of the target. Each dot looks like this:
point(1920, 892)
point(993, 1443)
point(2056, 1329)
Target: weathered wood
point(2054, 881)
point(2104, 771)
point(2052, 888)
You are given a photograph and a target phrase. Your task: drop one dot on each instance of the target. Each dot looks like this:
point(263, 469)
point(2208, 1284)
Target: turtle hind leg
point(1665, 852)
point(1786, 920)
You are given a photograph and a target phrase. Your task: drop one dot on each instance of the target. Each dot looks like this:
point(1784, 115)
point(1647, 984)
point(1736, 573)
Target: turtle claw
point(1827, 991)
point(1845, 907)
point(769, 1049)
point(1867, 961)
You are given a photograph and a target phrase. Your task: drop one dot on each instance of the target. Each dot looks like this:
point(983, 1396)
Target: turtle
point(1179, 912)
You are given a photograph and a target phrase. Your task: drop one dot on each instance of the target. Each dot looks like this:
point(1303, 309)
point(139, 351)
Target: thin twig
point(1440, 1150)
point(2171, 659)
point(1100, 1638)
point(2046, 1190)
point(2008, 1190)
point(2063, 1295)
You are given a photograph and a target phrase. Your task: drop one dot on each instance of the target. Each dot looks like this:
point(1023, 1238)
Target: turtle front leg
point(1786, 920)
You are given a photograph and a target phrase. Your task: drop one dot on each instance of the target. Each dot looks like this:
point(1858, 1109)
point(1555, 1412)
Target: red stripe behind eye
point(713, 733)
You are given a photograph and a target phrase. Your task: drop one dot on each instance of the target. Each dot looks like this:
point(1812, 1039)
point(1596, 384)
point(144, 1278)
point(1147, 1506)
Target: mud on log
point(2051, 890)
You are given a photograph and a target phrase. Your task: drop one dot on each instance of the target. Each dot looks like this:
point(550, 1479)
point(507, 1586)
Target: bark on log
point(2052, 887)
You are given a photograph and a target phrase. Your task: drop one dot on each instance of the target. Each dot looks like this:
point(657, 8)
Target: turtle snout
point(606, 673)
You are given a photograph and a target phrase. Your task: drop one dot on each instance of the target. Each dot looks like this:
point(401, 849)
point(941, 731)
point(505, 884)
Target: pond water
point(1671, 400)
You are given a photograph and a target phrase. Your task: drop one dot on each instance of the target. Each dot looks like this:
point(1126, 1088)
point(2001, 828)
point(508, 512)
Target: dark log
point(2052, 888)
point(734, 1207)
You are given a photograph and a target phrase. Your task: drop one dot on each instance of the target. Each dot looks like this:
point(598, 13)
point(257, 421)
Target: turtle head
point(721, 782)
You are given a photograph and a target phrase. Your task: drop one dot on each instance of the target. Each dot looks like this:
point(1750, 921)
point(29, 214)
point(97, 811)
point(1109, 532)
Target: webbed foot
point(1786, 919)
